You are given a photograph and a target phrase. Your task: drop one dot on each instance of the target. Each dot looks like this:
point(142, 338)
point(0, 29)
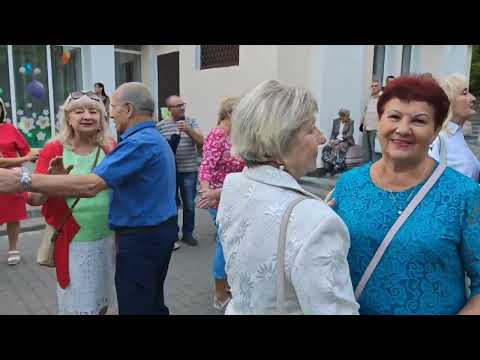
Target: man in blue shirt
point(143, 212)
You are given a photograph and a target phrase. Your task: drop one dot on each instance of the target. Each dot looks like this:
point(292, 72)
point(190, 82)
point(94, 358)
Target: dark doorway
point(168, 78)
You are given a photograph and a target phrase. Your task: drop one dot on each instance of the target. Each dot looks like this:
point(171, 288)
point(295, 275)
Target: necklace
point(394, 198)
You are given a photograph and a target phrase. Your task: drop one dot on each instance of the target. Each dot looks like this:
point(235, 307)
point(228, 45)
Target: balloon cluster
point(26, 69)
point(35, 88)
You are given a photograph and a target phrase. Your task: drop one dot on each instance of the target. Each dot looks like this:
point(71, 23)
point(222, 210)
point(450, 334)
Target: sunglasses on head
point(78, 94)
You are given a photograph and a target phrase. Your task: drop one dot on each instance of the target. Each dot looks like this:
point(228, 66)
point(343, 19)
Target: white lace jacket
point(316, 269)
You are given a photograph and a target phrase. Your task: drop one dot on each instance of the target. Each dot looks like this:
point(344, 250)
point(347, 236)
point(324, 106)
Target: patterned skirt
point(91, 288)
point(334, 156)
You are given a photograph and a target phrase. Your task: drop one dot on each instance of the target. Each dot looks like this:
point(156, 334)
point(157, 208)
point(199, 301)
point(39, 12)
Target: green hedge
point(475, 71)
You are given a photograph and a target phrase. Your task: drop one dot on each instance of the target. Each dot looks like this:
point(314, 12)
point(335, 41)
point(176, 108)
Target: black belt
point(146, 229)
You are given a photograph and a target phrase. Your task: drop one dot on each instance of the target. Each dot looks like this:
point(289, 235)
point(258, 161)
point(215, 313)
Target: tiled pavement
point(31, 289)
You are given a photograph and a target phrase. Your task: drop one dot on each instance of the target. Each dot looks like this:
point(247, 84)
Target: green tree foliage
point(475, 71)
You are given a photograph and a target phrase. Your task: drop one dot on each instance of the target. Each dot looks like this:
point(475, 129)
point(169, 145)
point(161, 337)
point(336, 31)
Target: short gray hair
point(453, 86)
point(139, 96)
point(266, 120)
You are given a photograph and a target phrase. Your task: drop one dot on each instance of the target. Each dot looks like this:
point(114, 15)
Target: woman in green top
point(85, 270)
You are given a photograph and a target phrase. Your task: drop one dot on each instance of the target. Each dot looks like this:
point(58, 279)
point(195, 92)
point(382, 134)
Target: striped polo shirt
point(186, 157)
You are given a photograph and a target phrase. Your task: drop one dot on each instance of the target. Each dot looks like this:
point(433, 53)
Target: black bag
point(361, 127)
point(174, 140)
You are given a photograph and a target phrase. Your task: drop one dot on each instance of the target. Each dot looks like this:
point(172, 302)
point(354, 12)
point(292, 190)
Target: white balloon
point(37, 71)
point(29, 105)
point(22, 70)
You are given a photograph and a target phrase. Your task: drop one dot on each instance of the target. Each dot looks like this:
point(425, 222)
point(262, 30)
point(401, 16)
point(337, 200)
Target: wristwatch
point(26, 180)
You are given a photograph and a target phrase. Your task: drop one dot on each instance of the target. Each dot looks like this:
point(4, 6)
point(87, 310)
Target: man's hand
point(10, 181)
point(182, 126)
point(195, 134)
point(56, 167)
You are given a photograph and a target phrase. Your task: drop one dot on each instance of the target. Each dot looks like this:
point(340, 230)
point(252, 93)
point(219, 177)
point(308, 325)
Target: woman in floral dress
point(217, 162)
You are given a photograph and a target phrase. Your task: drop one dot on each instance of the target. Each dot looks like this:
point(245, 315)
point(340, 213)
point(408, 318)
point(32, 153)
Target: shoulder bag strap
point(70, 210)
point(281, 255)
point(396, 226)
point(443, 149)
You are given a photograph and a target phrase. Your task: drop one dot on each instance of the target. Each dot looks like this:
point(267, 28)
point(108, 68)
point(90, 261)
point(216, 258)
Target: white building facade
point(36, 79)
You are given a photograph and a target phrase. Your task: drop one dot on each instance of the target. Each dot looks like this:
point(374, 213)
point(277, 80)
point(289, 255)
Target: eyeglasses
point(179, 106)
point(78, 94)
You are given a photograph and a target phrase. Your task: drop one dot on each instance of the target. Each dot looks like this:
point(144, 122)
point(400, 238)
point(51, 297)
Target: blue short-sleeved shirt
point(422, 270)
point(141, 175)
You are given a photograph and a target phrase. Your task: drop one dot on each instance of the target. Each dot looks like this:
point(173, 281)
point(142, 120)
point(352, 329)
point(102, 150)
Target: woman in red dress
point(12, 207)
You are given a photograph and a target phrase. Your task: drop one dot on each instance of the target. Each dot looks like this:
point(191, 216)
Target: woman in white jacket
point(459, 155)
point(274, 132)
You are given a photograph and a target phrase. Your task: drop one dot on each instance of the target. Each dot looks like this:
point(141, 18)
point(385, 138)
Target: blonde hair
point(66, 133)
point(226, 108)
point(452, 85)
point(3, 109)
point(266, 120)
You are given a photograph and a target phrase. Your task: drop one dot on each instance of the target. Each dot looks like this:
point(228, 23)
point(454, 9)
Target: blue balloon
point(36, 90)
point(28, 68)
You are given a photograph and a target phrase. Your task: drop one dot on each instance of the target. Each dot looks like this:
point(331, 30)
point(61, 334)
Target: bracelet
point(26, 180)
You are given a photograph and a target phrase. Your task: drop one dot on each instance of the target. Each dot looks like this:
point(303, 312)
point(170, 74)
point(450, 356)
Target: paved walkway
point(31, 289)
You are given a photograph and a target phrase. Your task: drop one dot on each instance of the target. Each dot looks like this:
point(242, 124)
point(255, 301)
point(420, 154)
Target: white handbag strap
point(396, 226)
point(443, 150)
point(281, 255)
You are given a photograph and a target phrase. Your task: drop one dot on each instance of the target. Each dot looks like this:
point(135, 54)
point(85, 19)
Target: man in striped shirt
point(187, 161)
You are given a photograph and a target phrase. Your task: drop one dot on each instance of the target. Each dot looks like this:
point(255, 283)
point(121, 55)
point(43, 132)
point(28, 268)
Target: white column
point(50, 91)
point(458, 59)
point(340, 77)
point(149, 71)
point(100, 67)
point(393, 61)
point(13, 94)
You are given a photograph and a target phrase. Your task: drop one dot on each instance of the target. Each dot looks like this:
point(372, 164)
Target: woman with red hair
point(422, 269)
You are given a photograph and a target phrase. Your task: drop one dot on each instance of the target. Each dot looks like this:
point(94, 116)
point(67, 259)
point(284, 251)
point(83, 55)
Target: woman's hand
point(56, 167)
point(36, 199)
point(209, 198)
point(31, 156)
point(329, 199)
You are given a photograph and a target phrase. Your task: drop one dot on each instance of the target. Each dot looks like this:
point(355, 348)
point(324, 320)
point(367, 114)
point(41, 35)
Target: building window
point(129, 47)
point(30, 72)
point(378, 62)
point(5, 82)
point(66, 74)
point(128, 64)
point(406, 57)
point(214, 56)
